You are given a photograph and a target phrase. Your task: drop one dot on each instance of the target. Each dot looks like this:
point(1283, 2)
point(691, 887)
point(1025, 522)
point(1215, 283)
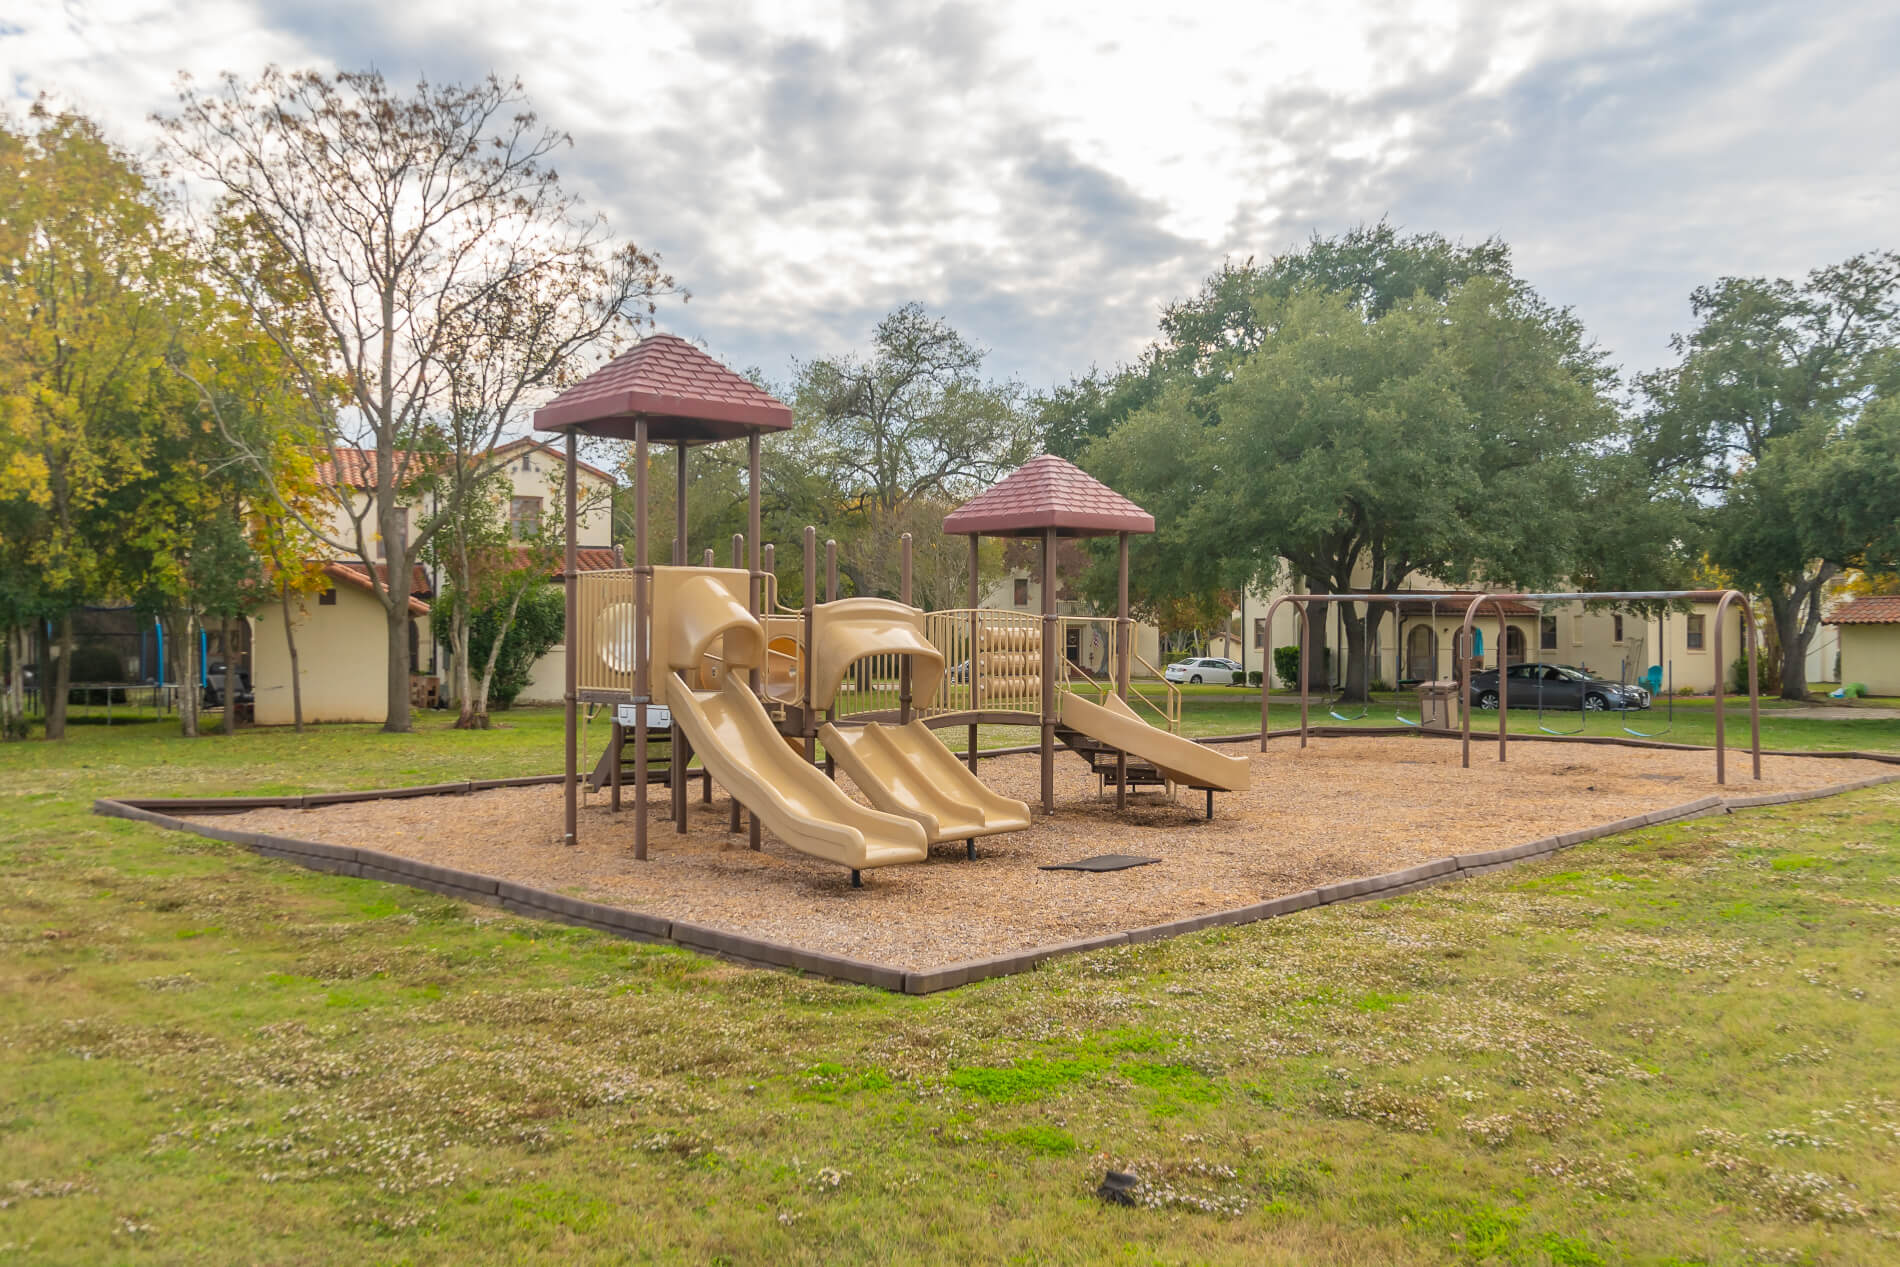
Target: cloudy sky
point(1048, 175)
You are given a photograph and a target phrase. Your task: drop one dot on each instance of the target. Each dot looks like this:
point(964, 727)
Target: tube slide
point(905, 770)
point(736, 740)
point(1182, 760)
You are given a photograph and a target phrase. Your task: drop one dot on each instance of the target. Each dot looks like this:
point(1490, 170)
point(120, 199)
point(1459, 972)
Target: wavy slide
point(1182, 760)
point(736, 740)
point(906, 770)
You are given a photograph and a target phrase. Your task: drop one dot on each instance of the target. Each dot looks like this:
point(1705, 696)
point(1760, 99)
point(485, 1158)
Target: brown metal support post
point(642, 643)
point(616, 736)
point(1306, 642)
point(706, 560)
point(571, 790)
point(738, 560)
point(976, 598)
point(1049, 638)
point(1123, 634)
point(1740, 600)
point(831, 596)
point(756, 588)
point(1504, 681)
point(903, 594)
point(1461, 648)
point(804, 677)
point(679, 505)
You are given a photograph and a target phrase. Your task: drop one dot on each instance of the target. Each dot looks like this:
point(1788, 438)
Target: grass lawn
point(1677, 1046)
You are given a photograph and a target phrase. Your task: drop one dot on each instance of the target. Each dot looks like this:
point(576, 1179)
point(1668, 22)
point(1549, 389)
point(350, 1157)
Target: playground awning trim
point(1047, 492)
point(685, 396)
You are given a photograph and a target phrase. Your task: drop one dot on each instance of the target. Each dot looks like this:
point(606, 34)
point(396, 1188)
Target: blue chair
point(1653, 678)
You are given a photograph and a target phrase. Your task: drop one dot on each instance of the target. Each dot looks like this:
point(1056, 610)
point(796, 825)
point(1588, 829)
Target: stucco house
point(1869, 628)
point(341, 633)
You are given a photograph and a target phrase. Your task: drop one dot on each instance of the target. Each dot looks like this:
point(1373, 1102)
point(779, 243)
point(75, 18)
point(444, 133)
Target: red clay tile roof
point(553, 451)
point(353, 574)
point(1868, 609)
point(685, 395)
point(589, 558)
point(1047, 492)
point(357, 467)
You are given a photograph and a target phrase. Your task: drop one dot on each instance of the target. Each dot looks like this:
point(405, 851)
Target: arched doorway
point(1513, 645)
point(1421, 653)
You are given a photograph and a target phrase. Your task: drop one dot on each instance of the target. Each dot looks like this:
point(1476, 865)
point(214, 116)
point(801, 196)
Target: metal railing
point(992, 660)
point(603, 641)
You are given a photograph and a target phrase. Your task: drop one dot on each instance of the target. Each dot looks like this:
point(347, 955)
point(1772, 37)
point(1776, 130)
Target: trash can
point(1438, 705)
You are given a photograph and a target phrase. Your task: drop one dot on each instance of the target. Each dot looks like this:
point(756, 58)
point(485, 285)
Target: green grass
point(1676, 1046)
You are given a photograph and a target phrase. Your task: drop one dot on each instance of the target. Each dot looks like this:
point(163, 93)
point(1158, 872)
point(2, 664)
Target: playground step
point(1101, 759)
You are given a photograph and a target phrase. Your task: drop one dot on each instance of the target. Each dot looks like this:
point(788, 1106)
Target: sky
point(1049, 176)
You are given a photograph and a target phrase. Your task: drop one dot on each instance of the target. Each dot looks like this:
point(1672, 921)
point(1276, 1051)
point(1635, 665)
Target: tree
point(420, 236)
point(87, 274)
point(1455, 437)
point(914, 425)
point(1762, 416)
point(509, 633)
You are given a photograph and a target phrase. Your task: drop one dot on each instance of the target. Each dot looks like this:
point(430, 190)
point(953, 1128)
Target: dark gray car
point(1556, 686)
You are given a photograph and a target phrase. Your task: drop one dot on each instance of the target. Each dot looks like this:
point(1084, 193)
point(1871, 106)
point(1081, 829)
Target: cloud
point(1049, 178)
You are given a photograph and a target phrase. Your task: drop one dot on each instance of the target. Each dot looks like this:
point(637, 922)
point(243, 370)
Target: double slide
point(702, 647)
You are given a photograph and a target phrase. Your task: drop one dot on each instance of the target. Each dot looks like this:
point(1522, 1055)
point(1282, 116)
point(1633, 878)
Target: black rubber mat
point(1105, 862)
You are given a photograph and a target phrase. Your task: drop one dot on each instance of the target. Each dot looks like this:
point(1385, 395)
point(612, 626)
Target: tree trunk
point(188, 692)
point(13, 701)
point(296, 677)
point(397, 720)
point(229, 688)
point(61, 681)
point(472, 713)
point(1317, 676)
point(494, 654)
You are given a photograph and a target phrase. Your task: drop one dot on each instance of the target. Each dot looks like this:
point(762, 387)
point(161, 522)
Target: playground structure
point(752, 688)
point(1462, 665)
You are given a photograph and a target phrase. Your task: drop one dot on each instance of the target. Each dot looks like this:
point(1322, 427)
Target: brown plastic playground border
point(371, 864)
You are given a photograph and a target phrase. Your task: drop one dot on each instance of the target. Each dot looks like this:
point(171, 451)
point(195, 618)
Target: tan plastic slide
point(1182, 760)
point(906, 770)
point(736, 740)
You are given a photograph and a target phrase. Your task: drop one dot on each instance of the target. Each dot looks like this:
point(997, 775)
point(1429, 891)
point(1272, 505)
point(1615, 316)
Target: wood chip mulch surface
point(1339, 809)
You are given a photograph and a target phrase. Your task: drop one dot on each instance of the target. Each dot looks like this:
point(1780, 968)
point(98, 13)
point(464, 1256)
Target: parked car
point(1205, 669)
point(1556, 686)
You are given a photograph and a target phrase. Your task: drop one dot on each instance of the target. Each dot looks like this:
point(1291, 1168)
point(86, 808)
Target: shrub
point(1378, 684)
point(1286, 665)
point(540, 623)
point(1254, 677)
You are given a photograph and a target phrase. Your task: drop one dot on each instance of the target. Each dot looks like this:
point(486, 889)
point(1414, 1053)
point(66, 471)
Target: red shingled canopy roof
point(685, 396)
point(1868, 609)
point(1045, 493)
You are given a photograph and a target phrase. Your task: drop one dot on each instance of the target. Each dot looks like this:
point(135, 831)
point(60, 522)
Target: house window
point(524, 518)
point(1260, 633)
point(1547, 633)
point(1695, 633)
point(1616, 628)
point(327, 598)
point(1022, 591)
point(402, 532)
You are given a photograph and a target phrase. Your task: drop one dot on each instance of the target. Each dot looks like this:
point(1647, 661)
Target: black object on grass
point(1118, 1188)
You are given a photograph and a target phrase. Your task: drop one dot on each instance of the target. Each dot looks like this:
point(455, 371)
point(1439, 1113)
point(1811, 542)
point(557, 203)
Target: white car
point(1205, 669)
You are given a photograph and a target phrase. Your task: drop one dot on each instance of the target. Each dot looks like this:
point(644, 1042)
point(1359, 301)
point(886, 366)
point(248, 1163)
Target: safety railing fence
point(1088, 664)
point(992, 660)
point(603, 644)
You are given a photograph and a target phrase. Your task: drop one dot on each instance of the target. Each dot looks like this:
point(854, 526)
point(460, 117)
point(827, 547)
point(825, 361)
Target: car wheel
point(1595, 703)
point(1196, 679)
point(1487, 699)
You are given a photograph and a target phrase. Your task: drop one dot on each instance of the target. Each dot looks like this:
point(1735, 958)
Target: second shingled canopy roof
point(1047, 492)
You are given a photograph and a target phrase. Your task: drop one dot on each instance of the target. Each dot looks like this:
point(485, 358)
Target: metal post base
point(857, 881)
point(969, 849)
point(1210, 802)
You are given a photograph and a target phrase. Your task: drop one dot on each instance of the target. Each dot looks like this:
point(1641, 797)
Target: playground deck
point(1338, 810)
